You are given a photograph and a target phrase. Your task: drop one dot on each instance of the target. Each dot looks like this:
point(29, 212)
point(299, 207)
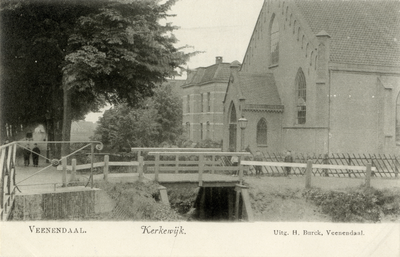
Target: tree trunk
point(66, 125)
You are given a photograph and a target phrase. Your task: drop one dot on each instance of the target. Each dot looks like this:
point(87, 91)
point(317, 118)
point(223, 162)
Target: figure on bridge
point(258, 158)
point(27, 155)
point(35, 155)
point(288, 158)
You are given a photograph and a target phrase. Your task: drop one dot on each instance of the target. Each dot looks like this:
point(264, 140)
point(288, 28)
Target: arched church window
point(262, 132)
point(301, 97)
point(274, 35)
point(232, 127)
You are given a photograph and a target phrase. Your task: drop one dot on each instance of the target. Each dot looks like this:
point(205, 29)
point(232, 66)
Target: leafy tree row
point(154, 121)
point(63, 59)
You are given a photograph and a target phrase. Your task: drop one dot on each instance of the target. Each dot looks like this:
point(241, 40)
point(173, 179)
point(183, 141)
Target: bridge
point(207, 168)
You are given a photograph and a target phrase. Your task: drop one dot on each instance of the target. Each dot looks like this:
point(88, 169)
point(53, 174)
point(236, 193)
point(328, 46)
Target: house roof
point(219, 72)
point(362, 32)
point(259, 89)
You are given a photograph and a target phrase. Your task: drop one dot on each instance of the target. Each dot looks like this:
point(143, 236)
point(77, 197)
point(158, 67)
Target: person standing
point(325, 160)
point(258, 158)
point(27, 155)
point(35, 155)
point(234, 161)
point(288, 158)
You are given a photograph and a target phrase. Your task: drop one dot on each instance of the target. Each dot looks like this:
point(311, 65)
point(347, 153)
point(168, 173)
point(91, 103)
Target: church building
point(318, 76)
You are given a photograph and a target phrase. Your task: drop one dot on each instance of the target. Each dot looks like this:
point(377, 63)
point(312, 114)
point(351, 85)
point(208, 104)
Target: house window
point(301, 94)
point(208, 130)
point(188, 104)
point(209, 102)
point(188, 129)
point(201, 102)
point(274, 41)
point(201, 131)
point(262, 132)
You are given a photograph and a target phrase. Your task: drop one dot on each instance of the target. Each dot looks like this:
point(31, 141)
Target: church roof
point(362, 32)
point(215, 73)
point(259, 90)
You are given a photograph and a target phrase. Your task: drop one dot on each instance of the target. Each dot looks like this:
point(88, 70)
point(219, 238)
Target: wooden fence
point(166, 162)
point(309, 167)
point(387, 166)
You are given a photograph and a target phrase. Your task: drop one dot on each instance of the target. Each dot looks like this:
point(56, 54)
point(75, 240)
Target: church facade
point(318, 77)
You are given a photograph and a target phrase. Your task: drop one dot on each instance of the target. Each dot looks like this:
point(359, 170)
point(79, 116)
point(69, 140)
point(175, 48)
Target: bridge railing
point(202, 162)
point(8, 185)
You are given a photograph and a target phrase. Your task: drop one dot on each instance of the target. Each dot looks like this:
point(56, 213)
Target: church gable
point(280, 34)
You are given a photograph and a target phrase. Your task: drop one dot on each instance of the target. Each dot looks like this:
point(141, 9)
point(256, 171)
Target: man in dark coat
point(35, 155)
point(258, 158)
point(27, 155)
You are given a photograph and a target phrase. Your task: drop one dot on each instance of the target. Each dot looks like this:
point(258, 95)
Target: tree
point(155, 120)
point(33, 47)
point(114, 51)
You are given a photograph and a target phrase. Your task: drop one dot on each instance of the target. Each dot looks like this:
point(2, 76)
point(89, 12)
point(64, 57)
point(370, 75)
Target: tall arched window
point(262, 132)
point(232, 127)
point(301, 97)
point(274, 35)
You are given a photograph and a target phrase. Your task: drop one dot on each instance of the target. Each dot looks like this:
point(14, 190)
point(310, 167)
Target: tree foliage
point(155, 120)
point(99, 50)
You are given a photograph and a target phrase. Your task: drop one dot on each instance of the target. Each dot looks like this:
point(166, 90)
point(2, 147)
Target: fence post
point(308, 174)
point(140, 167)
point(105, 168)
point(212, 164)
point(176, 163)
point(156, 167)
point(396, 169)
point(163, 195)
point(237, 203)
point(73, 171)
point(201, 169)
point(14, 154)
point(64, 174)
point(368, 175)
point(91, 164)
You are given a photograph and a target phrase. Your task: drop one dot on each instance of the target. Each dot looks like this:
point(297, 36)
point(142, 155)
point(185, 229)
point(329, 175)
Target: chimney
point(218, 59)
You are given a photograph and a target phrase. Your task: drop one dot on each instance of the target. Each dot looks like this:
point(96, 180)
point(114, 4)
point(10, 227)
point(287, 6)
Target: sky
point(213, 27)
